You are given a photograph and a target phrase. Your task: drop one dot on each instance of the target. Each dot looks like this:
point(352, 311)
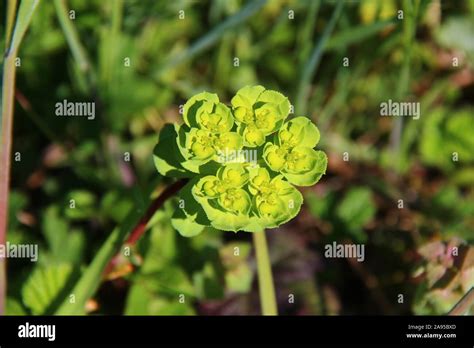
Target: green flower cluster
point(239, 194)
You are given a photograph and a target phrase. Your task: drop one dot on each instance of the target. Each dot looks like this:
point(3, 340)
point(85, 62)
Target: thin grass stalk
point(13, 39)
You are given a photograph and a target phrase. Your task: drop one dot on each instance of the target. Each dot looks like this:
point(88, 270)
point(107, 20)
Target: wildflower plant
point(239, 195)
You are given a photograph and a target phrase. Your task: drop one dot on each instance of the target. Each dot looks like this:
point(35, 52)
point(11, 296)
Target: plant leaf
point(302, 130)
point(200, 102)
point(310, 177)
point(45, 286)
point(247, 96)
point(167, 156)
point(190, 220)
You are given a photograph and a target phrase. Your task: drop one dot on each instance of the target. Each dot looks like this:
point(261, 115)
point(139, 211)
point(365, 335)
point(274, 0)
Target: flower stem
point(140, 227)
point(265, 277)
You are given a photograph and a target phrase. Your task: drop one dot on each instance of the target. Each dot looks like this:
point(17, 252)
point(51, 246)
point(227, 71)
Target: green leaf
point(84, 205)
point(356, 210)
point(288, 205)
point(274, 97)
point(221, 219)
point(247, 96)
point(65, 245)
point(45, 286)
point(201, 150)
point(14, 307)
point(259, 112)
point(186, 225)
point(239, 279)
point(233, 174)
point(167, 156)
point(444, 134)
point(158, 293)
point(189, 219)
point(207, 282)
point(299, 131)
point(201, 102)
point(218, 216)
point(317, 164)
point(252, 136)
point(194, 160)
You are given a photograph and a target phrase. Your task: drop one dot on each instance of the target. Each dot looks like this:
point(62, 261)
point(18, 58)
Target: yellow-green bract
point(239, 195)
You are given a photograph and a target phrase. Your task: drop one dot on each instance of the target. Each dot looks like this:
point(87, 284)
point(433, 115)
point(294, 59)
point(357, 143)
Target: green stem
point(23, 18)
point(5, 163)
point(265, 277)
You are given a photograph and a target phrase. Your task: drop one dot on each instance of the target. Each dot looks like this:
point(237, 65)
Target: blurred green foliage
point(141, 62)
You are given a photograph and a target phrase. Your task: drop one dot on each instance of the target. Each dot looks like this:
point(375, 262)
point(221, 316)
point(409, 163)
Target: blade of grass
point(212, 37)
point(11, 11)
point(409, 31)
point(311, 66)
point(110, 42)
point(25, 12)
point(305, 37)
point(354, 35)
point(72, 37)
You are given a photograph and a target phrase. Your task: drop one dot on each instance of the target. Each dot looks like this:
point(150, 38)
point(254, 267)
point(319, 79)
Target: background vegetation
point(373, 161)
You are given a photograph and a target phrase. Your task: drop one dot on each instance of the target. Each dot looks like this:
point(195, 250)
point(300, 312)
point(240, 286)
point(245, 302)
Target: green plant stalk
point(5, 151)
point(265, 277)
point(13, 39)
